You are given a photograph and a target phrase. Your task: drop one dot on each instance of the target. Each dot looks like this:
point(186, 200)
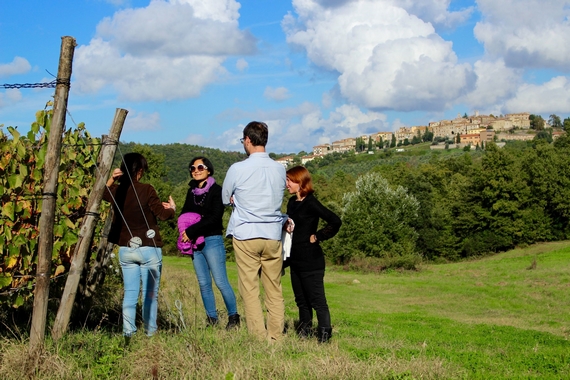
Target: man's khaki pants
point(261, 259)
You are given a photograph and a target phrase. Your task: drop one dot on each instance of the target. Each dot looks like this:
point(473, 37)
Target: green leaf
point(15, 181)
point(19, 301)
point(35, 128)
point(41, 156)
point(20, 150)
point(58, 230)
point(8, 210)
point(70, 238)
point(15, 134)
point(5, 280)
point(23, 170)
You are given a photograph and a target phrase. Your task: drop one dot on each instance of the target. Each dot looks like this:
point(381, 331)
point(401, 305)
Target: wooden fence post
point(88, 226)
point(49, 196)
point(97, 271)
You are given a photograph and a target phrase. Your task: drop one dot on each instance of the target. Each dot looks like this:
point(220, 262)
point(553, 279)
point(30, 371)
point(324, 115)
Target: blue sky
point(316, 71)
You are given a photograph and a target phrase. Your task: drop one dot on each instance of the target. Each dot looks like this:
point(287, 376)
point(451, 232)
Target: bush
point(377, 221)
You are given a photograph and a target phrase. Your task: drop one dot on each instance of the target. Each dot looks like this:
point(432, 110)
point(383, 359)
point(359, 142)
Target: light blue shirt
point(257, 185)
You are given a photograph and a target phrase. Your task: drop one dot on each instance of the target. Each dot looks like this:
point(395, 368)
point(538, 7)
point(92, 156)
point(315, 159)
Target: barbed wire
point(51, 84)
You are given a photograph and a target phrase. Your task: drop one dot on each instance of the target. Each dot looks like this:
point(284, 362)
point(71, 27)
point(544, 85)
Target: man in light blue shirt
point(254, 188)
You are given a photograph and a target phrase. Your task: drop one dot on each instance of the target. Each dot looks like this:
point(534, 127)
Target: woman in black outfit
point(307, 261)
point(204, 197)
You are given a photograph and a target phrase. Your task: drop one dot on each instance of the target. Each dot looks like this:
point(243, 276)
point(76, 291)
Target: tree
point(370, 144)
point(566, 124)
point(393, 142)
point(458, 138)
point(465, 116)
point(544, 135)
point(380, 143)
point(555, 121)
point(536, 122)
point(377, 221)
point(427, 136)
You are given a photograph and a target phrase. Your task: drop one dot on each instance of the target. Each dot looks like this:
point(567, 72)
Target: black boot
point(324, 334)
point(233, 321)
point(211, 321)
point(304, 329)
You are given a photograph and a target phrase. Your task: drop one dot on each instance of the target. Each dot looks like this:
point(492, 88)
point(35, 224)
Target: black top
point(306, 256)
point(210, 208)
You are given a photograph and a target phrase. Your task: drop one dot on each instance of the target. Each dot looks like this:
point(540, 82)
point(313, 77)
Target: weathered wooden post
point(47, 218)
point(88, 225)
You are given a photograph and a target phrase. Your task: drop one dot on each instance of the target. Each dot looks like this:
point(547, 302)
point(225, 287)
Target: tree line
point(423, 205)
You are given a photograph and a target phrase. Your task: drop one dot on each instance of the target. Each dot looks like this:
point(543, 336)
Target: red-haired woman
point(307, 261)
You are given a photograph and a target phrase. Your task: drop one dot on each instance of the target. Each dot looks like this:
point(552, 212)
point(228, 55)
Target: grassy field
point(500, 317)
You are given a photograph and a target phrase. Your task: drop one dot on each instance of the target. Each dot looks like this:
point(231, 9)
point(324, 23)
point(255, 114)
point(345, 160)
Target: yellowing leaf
point(59, 270)
point(69, 223)
point(11, 262)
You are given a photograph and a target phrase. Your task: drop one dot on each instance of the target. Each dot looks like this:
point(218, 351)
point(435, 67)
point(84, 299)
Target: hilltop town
point(462, 131)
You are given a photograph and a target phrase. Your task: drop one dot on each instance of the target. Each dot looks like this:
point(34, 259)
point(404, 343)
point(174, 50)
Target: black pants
point(309, 289)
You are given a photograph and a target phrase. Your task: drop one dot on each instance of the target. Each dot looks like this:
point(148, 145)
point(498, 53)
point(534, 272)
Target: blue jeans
point(143, 263)
point(211, 262)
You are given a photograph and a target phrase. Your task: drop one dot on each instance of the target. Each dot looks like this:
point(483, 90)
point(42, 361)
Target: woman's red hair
point(301, 176)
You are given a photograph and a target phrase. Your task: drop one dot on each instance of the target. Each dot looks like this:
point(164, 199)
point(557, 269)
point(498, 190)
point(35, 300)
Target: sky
point(316, 71)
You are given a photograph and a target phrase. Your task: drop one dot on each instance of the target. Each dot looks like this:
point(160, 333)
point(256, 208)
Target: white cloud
point(302, 127)
point(278, 94)
point(168, 50)
point(10, 97)
point(386, 58)
point(526, 33)
point(435, 12)
point(550, 97)
point(18, 65)
point(142, 121)
point(242, 64)
point(496, 83)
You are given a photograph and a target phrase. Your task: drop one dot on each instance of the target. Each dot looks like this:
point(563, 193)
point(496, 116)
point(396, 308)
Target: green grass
point(499, 317)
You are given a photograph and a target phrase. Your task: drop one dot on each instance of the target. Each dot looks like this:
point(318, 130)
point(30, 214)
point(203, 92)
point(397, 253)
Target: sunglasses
point(200, 168)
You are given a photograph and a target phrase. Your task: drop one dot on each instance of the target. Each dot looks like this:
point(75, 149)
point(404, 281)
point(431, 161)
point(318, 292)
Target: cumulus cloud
point(167, 50)
point(526, 33)
point(294, 129)
point(436, 12)
point(496, 83)
point(386, 57)
point(278, 94)
point(142, 121)
point(18, 65)
point(550, 97)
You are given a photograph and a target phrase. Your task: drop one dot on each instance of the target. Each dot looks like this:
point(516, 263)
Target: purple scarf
point(199, 191)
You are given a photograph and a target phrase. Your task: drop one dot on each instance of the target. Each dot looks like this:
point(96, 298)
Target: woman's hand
point(185, 237)
point(169, 204)
point(313, 239)
point(289, 225)
point(117, 173)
